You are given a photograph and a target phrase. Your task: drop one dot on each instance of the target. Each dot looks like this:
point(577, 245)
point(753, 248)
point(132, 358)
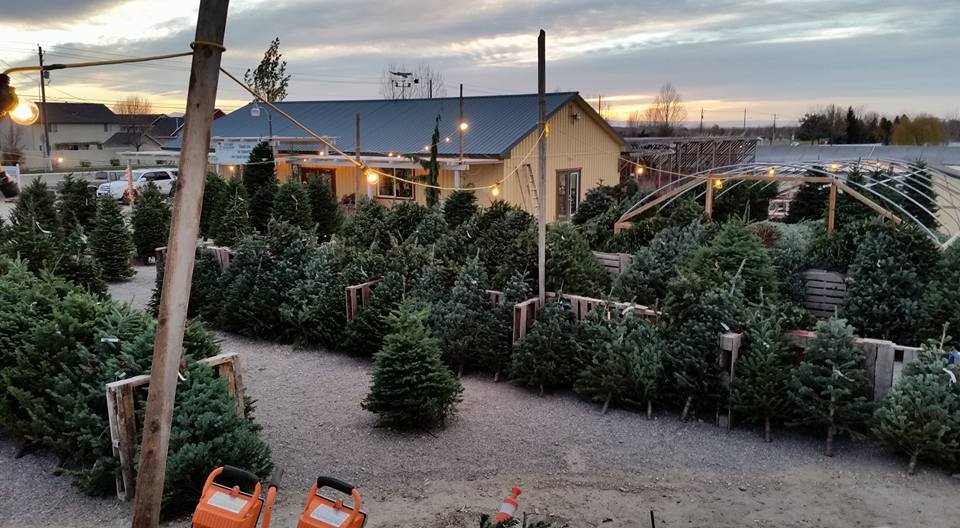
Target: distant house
point(499, 144)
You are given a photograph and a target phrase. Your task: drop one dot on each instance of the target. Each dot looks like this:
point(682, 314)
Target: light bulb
point(447, 140)
point(495, 191)
point(771, 171)
point(464, 126)
point(639, 171)
point(25, 113)
point(372, 176)
point(718, 184)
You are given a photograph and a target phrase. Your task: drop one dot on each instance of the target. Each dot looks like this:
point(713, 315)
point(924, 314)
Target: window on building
point(568, 193)
point(391, 188)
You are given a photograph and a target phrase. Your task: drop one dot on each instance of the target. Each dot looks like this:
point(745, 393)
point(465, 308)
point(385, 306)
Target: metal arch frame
point(894, 175)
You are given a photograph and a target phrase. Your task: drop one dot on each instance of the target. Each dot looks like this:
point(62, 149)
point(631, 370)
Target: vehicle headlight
point(104, 187)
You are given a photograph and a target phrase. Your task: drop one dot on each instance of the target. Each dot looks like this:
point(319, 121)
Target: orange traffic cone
point(509, 506)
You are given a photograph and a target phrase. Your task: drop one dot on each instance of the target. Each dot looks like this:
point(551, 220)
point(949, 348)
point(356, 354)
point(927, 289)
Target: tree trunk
point(686, 409)
point(831, 431)
point(766, 428)
point(912, 468)
point(606, 404)
point(496, 376)
point(541, 389)
point(649, 410)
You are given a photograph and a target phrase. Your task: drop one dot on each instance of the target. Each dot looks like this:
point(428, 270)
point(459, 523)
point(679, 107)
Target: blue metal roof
point(496, 123)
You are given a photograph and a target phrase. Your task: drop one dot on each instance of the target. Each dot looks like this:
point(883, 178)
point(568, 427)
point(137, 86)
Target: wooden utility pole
point(43, 111)
point(701, 123)
point(358, 170)
point(708, 199)
point(182, 245)
point(458, 179)
point(542, 167)
point(832, 207)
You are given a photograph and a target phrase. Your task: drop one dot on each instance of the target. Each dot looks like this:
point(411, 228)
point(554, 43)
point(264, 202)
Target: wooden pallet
point(823, 292)
point(614, 263)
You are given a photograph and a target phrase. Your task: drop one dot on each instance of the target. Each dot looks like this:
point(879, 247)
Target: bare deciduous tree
point(423, 82)
point(665, 114)
point(136, 118)
point(635, 122)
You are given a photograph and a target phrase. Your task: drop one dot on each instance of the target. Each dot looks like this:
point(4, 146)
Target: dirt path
point(570, 461)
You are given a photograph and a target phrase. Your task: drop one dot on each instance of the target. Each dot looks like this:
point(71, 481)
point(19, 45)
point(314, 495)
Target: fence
point(614, 263)
point(823, 292)
point(525, 312)
point(121, 413)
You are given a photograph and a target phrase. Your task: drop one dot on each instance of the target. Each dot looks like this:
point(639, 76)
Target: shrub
point(411, 386)
point(459, 207)
point(291, 204)
point(77, 205)
point(151, 221)
point(324, 208)
point(571, 266)
point(829, 388)
point(736, 250)
point(645, 280)
point(111, 242)
point(548, 356)
point(260, 184)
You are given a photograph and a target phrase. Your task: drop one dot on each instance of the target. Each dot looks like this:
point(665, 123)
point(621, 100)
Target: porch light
point(372, 176)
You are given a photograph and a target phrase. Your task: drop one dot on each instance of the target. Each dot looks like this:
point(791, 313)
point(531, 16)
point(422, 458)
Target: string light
point(25, 113)
point(495, 191)
point(834, 167)
point(770, 171)
point(464, 126)
point(372, 176)
point(639, 170)
point(446, 139)
point(718, 184)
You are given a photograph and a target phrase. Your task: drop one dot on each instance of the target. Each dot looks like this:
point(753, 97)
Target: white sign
point(233, 151)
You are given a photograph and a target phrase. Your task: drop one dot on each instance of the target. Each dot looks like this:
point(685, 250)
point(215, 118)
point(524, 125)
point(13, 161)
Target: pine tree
point(111, 242)
point(366, 225)
point(465, 327)
point(596, 202)
point(260, 184)
point(759, 390)
point(920, 416)
point(920, 198)
point(233, 221)
point(849, 209)
point(737, 250)
point(34, 232)
point(214, 191)
point(459, 207)
point(941, 298)
point(748, 200)
point(647, 365)
point(548, 356)
point(571, 266)
point(401, 220)
point(291, 204)
point(829, 388)
point(497, 356)
point(324, 208)
point(810, 202)
point(77, 205)
point(411, 386)
point(364, 335)
point(151, 221)
point(77, 265)
point(645, 280)
point(432, 177)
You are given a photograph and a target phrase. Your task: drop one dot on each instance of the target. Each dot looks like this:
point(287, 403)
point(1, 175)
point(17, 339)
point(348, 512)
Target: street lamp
point(255, 112)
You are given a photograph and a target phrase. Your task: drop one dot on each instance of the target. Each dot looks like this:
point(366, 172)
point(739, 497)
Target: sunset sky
point(768, 56)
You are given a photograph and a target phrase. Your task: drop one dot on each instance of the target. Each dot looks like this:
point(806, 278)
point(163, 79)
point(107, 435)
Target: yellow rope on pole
point(51, 67)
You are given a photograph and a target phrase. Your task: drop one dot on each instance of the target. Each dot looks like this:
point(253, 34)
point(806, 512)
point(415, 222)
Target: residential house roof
point(166, 127)
point(77, 113)
point(129, 139)
point(496, 123)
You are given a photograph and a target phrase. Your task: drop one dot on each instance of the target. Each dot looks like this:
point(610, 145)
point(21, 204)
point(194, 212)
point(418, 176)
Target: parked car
point(165, 179)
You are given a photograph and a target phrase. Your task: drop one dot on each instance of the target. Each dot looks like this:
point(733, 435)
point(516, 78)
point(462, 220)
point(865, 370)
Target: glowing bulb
point(230, 167)
point(372, 176)
point(426, 148)
point(25, 113)
point(495, 191)
point(464, 126)
point(770, 171)
point(447, 140)
point(59, 160)
point(639, 171)
point(718, 184)
point(834, 167)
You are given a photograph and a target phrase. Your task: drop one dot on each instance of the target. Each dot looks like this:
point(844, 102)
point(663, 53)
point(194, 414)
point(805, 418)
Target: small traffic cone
point(509, 506)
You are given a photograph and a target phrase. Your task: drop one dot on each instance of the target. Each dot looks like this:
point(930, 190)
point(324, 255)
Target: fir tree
point(214, 191)
point(260, 184)
point(77, 265)
point(233, 221)
point(548, 356)
point(401, 220)
point(151, 221)
point(206, 295)
point(920, 416)
point(829, 387)
point(366, 225)
point(810, 203)
point(111, 242)
point(748, 200)
point(849, 209)
point(645, 280)
point(432, 177)
point(324, 208)
point(647, 365)
point(737, 250)
point(364, 335)
point(598, 200)
point(34, 232)
point(571, 266)
point(919, 195)
point(459, 207)
point(432, 229)
point(411, 386)
point(497, 355)
point(291, 204)
point(77, 205)
point(465, 327)
point(941, 298)
point(759, 390)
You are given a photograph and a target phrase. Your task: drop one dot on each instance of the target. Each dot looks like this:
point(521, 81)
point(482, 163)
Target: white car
point(165, 179)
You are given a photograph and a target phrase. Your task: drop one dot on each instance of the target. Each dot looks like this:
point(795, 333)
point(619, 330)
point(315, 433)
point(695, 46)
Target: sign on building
point(233, 151)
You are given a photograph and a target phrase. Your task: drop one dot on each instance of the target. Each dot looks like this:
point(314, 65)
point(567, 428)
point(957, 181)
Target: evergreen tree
point(747, 200)
point(431, 230)
point(810, 202)
point(401, 221)
point(647, 365)
point(77, 265)
point(919, 195)
point(571, 266)
point(432, 177)
point(77, 205)
point(34, 232)
point(497, 355)
point(214, 191)
point(941, 298)
point(829, 388)
point(645, 279)
point(459, 207)
point(324, 208)
point(206, 295)
point(151, 221)
point(260, 184)
point(364, 335)
point(737, 250)
point(233, 220)
point(548, 356)
point(598, 200)
point(466, 317)
point(849, 209)
point(111, 242)
point(411, 386)
point(291, 204)
point(759, 390)
point(920, 416)
point(366, 225)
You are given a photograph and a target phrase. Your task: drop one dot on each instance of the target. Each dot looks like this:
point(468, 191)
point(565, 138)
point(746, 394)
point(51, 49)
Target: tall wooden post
point(457, 181)
point(832, 207)
point(358, 171)
point(542, 167)
point(708, 199)
point(182, 244)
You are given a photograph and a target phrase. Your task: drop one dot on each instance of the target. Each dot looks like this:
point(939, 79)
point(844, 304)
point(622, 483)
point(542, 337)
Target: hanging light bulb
point(372, 176)
point(495, 191)
point(718, 184)
point(639, 170)
point(771, 171)
point(446, 140)
point(25, 113)
point(464, 126)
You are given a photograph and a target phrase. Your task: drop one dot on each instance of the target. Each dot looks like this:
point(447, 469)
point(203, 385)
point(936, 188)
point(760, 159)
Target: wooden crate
point(823, 292)
point(121, 415)
point(613, 263)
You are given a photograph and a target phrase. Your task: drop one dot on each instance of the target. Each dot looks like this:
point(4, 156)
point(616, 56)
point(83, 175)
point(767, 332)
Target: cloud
point(24, 13)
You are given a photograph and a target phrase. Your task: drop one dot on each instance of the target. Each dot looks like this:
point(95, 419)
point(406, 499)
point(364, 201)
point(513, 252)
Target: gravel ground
point(136, 291)
point(570, 461)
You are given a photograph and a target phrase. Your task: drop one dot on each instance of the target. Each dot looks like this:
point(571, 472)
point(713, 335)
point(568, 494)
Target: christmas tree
point(233, 220)
point(411, 386)
point(111, 242)
point(324, 208)
point(920, 198)
point(151, 221)
point(759, 390)
point(747, 200)
point(849, 209)
point(548, 356)
point(597, 201)
point(401, 220)
point(645, 279)
point(829, 388)
point(737, 250)
point(364, 335)
point(432, 229)
point(260, 184)
point(366, 226)
point(77, 205)
point(571, 266)
point(214, 191)
point(941, 298)
point(646, 364)
point(77, 265)
point(810, 201)
point(497, 354)
point(920, 416)
point(291, 204)
point(459, 207)
point(34, 231)
point(206, 295)
point(466, 317)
